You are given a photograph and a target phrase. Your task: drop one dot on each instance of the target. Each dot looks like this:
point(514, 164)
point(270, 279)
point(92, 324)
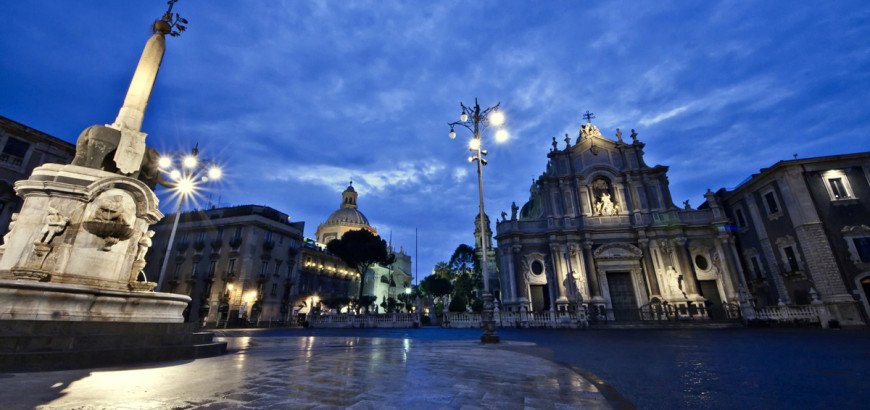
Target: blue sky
point(298, 97)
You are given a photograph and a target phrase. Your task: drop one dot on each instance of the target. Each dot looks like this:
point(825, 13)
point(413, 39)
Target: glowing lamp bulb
point(452, 134)
point(175, 174)
point(185, 185)
point(215, 173)
point(496, 118)
point(164, 162)
point(189, 161)
point(463, 117)
point(501, 136)
point(474, 144)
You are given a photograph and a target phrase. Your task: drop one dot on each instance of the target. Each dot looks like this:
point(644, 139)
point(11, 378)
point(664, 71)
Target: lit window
point(837, 184)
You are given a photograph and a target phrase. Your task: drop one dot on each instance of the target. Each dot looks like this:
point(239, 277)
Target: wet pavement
point(447, 368)
point(286, 369)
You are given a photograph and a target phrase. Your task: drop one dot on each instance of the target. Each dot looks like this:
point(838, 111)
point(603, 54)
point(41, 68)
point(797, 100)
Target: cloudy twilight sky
point(298, 97)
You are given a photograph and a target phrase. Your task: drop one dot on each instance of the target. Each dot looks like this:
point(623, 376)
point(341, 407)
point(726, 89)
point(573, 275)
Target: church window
point(537, 267)
point(263, 267)
point(268, 236)
point(771, 203)
point(274, 291)
point(193, 270)
point(211, 268)
point(277, 268)
point(238, 234)
point(231, 265)
point(791, 258)
point(220, 234)
point(862, 246)
point(14, 152)
point(701, 262)
point(741, 219)
point(837, 184)
point(756, 267)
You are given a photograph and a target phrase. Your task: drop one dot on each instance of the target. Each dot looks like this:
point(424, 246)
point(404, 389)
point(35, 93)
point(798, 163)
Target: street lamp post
point(476, 120)
point(184, 182)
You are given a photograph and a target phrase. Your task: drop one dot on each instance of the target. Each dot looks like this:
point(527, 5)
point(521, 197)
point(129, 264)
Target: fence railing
point(346, 320)
point(816, 313)
point(546, 319)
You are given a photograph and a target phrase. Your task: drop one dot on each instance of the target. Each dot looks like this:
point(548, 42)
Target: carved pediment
point(856, 230)
point(617, 251)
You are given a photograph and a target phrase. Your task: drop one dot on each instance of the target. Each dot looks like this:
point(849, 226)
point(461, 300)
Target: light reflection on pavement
point(305, 372)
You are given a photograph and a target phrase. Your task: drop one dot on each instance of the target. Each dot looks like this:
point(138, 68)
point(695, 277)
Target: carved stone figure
point(55, 224)
point(96, 148)
point(604, 206)
point(144, 243)
point(6, 237)
point(514, 210)
point(618, 135)
point(633, 136)
point(674, 281)
point(555, 144)
point(567, 141)
point(110, 209)
point(686, 205)
point(503, 216)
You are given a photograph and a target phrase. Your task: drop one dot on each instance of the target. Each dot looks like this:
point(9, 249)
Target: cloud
point(376, 181)
point(459, 174)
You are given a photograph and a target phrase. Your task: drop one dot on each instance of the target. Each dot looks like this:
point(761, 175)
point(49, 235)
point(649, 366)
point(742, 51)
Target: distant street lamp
point(476, 120)
point(184, 182)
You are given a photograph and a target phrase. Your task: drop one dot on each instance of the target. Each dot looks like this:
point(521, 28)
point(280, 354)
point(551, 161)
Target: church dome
point(347, 215)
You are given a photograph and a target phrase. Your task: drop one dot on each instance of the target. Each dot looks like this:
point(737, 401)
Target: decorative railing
point(547, 319)
point(793, 313)
point(362, 321)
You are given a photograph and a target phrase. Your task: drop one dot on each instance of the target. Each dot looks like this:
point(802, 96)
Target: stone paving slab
point(319, 373)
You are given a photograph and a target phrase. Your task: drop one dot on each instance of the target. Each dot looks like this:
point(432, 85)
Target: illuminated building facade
point(600, 229)
point(803, 227)
point(236, 263)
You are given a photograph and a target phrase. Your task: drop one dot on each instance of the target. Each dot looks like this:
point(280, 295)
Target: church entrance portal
point(710, 291)
point(540, 298)
point(622, 296)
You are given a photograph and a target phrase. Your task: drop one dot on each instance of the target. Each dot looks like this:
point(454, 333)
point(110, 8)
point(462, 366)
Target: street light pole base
point(487, 321)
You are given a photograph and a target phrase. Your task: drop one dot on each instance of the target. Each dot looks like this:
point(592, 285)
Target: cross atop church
point(588, 116)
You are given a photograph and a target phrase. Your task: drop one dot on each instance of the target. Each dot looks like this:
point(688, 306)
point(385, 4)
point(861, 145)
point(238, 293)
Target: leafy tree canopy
point(361, 249)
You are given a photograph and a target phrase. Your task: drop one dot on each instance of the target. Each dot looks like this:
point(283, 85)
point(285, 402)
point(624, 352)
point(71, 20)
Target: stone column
point(511, 294)
point(756, 222)
point(649, 269)
point(578, 271)
point(729, 272)
point(522, 288)
point(558, 264)
point(591, 271)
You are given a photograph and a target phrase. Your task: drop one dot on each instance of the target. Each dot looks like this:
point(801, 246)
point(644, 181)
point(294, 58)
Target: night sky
point(296, 98)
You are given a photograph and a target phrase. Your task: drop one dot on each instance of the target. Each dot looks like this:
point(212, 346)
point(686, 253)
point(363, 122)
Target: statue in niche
point(633, 136)
point(674, 280)
point(144, 243)
point(618, 135)
point(605, 205)
point(514, 210)
point(55, 224)
point(6, 237)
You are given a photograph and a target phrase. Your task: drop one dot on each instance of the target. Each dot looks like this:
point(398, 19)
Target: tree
point(361, 249)
point(465, 275)
point(435, 286)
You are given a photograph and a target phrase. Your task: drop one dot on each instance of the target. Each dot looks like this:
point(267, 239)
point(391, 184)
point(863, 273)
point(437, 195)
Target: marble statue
point(503, 216)
point(514, 210)
point(555, 144)
point(633, 136)
point(686, 205)
point(55, 224)
point(567, 141)
point(144, 243)
point(618, 135)
point(6, 237)
point(673, 280)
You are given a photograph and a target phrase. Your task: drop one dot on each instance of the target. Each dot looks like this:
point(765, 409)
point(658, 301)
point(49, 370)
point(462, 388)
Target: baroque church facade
point(600, 229)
